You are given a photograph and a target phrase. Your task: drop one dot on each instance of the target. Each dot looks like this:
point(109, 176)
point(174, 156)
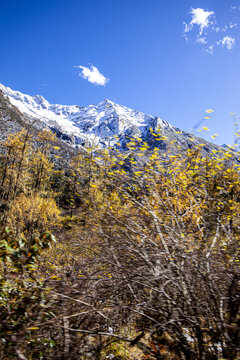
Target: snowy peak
point(98, 124)
point(36, 106)
point(103, 125)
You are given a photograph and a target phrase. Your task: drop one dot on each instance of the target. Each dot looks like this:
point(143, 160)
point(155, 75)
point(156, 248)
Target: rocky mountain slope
point(103, 125)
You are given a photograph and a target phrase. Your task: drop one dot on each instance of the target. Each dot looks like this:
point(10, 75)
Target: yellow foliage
point(33, 213)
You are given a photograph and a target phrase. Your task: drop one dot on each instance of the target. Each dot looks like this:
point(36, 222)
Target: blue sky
point(161, 57)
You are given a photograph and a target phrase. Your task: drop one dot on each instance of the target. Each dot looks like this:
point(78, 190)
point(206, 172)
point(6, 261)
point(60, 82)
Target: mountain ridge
point(106, 124)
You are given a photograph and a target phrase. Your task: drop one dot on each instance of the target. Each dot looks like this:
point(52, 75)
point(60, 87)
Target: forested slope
point(103, 259)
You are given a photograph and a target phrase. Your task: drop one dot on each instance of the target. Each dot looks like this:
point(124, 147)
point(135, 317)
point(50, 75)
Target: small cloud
point(235, 8)
point(225, 28)
point(209, 50)
point(93, 75)
point(202, 40)
point(209, 33)
point(216, 29)
point(201, 18)
point(231, 25)
point(228, 42)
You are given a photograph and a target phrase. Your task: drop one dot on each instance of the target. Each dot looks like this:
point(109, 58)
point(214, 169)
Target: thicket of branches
point(146, 261)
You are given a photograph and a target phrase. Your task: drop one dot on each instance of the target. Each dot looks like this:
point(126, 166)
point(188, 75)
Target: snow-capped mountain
point(102, 125)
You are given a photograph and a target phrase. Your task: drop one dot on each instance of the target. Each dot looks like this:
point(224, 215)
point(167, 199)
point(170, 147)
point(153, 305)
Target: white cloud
point(216, 29)
point(209, 50)
point(225, 28)
point(202, 40)
point(231, 25)
point(93, 75)
point(209, 33)
point(234, 8)
point(201, 18)
point(228, 42)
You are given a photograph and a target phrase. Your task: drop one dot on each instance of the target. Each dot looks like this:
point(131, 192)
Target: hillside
point(130, 253)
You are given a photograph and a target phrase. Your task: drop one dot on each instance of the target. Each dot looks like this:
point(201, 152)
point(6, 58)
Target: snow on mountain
point(94, 124)
point(104, 125)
